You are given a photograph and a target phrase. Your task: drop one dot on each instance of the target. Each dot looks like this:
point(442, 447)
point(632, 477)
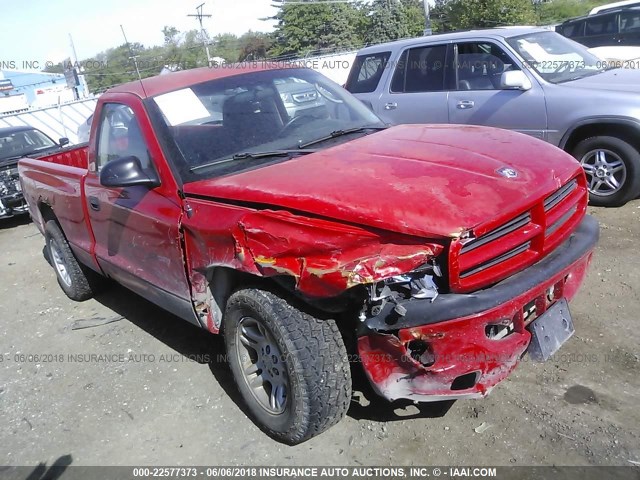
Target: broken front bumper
point(448, 348)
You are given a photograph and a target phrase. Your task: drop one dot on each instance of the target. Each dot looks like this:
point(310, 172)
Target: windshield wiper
point(339, 133)
point(253, 156)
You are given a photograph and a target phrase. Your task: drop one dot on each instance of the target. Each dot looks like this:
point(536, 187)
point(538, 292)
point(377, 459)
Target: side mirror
point(127, 172)
point(515, 80)
point(63, 141)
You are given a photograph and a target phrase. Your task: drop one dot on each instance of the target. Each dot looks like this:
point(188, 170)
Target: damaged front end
point(434, 319)
point(12, 200)
point(460, 345)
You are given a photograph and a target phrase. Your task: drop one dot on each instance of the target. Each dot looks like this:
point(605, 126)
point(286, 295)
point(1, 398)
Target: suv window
point(420, 69)
point(630, 22)
point(479, 65)
point(366, 72)
point(602, 25)
point(573, 29)
point(120, 136)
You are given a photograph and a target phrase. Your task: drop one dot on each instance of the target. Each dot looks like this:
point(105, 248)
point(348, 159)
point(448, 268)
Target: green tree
point(171, 35)
point(387, 21)
point(413, 12)
point(226, 46)
point(115, 66)
point(308, 26)
point(254, 46)
point(467, 14)
point(555, 11)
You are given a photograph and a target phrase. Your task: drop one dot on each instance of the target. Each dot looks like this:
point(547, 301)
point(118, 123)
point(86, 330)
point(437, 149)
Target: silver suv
point(526, 79)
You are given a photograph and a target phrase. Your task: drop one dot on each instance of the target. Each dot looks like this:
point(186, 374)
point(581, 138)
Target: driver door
point(136, 229)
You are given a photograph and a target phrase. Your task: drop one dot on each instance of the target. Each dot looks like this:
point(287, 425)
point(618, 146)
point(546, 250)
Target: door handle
point(94, 203)
point(465, 104)
point(390, 106)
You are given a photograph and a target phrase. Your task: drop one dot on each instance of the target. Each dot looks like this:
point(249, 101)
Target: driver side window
point(120, 136)
point(480, 65)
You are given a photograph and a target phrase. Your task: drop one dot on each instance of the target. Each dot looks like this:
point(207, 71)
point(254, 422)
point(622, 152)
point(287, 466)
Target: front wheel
point(612, 167)
point(291, 368)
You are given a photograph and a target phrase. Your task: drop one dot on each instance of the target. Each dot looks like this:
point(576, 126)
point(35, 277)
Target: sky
point(38, 30)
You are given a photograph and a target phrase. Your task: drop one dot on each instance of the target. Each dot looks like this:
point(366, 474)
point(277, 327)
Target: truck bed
point(54, 183)
point(75, 156)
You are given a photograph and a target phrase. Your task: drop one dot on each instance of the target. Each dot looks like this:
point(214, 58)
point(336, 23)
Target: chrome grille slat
point(511, 226)
point(559, 195)
point(559, 222)
point(494, 261)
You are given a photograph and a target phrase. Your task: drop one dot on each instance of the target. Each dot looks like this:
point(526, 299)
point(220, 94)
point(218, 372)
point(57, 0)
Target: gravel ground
point(159, 392)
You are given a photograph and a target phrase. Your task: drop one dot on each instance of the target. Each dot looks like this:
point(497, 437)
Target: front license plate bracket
point(550, 330)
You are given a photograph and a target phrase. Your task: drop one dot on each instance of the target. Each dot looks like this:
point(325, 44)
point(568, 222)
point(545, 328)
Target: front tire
point(291, 368)
point(612, 167)
point(78, 282)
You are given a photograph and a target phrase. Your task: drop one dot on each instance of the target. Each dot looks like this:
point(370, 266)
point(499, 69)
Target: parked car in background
point(312, 236)
point(525, 79)
point(617, 26)
point(15, 143)
point(610, 6)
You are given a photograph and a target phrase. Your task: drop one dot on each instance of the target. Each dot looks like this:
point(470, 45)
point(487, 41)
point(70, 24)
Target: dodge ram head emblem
point(507, 172)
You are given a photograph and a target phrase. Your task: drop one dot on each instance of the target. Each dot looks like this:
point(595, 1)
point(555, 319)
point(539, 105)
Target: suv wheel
point(291, 368)
point(612, 167)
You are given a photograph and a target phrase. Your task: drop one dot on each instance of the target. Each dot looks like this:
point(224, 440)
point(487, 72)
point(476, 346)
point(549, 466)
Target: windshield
point(23, 143)
point(556, 58)
point(215, 124)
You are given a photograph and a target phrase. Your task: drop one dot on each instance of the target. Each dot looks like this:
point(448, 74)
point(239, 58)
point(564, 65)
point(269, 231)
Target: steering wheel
point(294, 123)
point(327, 94)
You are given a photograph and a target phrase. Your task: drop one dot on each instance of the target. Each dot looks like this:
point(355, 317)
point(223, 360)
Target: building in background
point(24, 89)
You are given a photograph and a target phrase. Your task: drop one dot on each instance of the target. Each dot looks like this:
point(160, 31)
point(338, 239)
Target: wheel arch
point(46, 212)
point(223, 281)
point(624, 128)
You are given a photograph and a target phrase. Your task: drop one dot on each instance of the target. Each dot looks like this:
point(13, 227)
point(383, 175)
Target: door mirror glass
point(515, 80)
point(127, 172)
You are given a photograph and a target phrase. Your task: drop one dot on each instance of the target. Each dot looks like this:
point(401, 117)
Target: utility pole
point(427, 19)
point(199, 15)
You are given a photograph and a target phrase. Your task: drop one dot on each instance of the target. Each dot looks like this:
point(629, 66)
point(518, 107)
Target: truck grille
point(518, 243)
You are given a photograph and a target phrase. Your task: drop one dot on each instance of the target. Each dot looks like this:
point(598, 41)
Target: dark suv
point(612, 27)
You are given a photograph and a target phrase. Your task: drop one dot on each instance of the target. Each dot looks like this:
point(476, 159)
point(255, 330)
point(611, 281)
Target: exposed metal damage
point(322, 259)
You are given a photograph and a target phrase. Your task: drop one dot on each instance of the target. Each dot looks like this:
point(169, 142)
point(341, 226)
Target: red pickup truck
point(271, 206)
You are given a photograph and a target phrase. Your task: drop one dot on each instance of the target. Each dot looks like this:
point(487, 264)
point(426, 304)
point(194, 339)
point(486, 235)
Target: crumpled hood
point(430, 181)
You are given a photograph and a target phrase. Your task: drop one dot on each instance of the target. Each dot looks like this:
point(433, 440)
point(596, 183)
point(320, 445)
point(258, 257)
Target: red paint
point(460, 347)
point(410, 179)
point(324, 258)
point(137, 229)
point(351, 214)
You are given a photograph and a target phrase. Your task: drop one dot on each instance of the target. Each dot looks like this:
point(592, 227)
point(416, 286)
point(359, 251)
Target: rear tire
point(291, 368)
point(612, 167)
point(77, 281)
